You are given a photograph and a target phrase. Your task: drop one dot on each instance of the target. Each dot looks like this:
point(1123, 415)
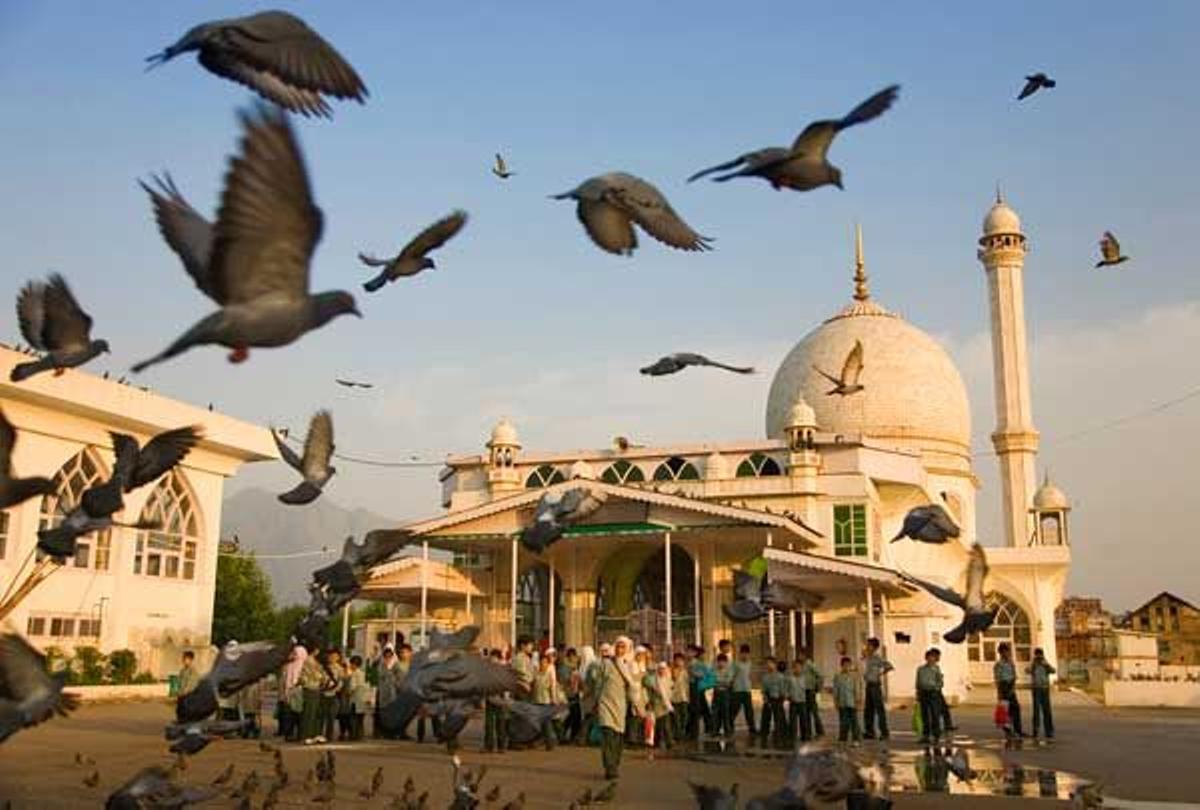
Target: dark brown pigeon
point(54, 323)
point(16, 490)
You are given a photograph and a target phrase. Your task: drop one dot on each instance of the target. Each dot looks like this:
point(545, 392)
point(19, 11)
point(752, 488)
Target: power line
point(372, 462)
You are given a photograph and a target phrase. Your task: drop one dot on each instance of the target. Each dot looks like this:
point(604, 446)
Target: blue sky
point(526, 318)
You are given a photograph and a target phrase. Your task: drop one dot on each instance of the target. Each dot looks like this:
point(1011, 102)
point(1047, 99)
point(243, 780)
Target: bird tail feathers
point(303, 493)
point(376, 283)
point(23, 371)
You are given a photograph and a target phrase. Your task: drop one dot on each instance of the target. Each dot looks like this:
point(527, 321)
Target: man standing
point(522, 663)
point(189, 678)
point(875, 667)
point(741, 699)
point(495, 716)
point(813, 682)
point(613, 686)
point(1005, 675)
point(775, 689)
point(1040, 672)
point(929, 696)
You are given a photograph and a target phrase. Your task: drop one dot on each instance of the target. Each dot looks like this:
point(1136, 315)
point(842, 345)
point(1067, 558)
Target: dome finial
point(999, 196)
point(861, 291)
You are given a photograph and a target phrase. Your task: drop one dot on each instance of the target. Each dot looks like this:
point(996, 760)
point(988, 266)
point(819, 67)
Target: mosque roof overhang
point(400, 580)
point(821, 574)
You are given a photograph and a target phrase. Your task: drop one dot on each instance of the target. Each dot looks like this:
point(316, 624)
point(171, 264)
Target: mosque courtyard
point(1145, 756)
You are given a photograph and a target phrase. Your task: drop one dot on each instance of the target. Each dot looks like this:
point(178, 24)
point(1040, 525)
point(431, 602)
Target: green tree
point(122, 666)
point(371, 610)
point(89, 663)
point(244, 608)
point(286, 619)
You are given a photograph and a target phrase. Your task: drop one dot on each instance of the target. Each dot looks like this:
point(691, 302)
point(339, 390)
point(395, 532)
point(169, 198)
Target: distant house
point(1078, 622)
point(1177, 623)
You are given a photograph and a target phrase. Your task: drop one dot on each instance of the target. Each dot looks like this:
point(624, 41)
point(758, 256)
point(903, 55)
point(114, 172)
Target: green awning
point(616, 528)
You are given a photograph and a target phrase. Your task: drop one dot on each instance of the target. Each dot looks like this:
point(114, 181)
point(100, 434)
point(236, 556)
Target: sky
point(525, 318)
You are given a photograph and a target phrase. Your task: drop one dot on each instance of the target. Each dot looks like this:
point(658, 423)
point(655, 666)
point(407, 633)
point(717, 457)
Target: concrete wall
point(142, 691)
point(1151, 693)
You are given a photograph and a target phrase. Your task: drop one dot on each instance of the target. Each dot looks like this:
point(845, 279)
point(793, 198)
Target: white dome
point(1050, 498)
point(802, 415)
point(913, 394)
point(504, 434)
point(1001, 220)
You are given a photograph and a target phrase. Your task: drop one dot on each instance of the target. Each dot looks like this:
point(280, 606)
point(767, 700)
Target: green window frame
point(850, 530)
point(544, 476)
point(676, 469)
point(758, 465)
point(622, 472)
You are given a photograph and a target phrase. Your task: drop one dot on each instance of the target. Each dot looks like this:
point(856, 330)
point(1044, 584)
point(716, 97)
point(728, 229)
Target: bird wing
point(249, 663)
point(872, 108)
point(853, 367)
point(1032, 83)
point(186, 232)
point(977, 571)
point(267, 85)
point(380, 544)
point(8, 439)
point(64, 323)
point(608, 226)
point(827, 376)
point(31, 308)
point(1110, 248)
point(22, 669)
point(162, 453)
point(436, 235)
point(268, 225)
point(287, 453)
point(947, 595)
point(814, 141)
point(458, 640)
point(720, 167)
point(318, 445)
point(467, 674)
point(747, 586)
point(646, 205)
point(501, 166)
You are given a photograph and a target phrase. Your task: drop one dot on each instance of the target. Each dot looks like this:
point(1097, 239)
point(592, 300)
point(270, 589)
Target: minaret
point(1002, 251)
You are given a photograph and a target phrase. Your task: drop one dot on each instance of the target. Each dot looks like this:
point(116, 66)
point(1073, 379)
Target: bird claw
point(239, 355)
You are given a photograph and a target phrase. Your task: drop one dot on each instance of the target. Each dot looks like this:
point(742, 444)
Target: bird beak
point(355, 312)
point(838, 183)
point(563, 196)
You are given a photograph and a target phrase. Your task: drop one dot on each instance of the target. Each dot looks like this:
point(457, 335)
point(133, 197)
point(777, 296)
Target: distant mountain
point(267, 527)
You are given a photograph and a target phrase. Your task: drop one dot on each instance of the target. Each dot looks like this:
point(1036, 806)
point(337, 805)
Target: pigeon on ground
point(610, 204)
point(327, 766)
point(1110, 251)
point(236, 667)
point(92, 779)
point(710, 797)
point(606, 794)
point(276, 55)
point(83, 759)
point(754, 596)
point(53, 322)
point(314, 464)
point(326, 793)
point(804, 166)
point(959, 764)
point(353, 383)
point(254, 262)
point(501, 168)
point(557, 511)
point(516, 804)
point(928, 524)
point(16, 490)
point(370, 791)
point(248, 787)
point(1034, 83)
point(681, 360)
point(267, 748)
point(28, 693)
point(847, 383)
point(412, 259)
point(977, 616)
point(153, 787)
point(1088, 796)
point(224, 777)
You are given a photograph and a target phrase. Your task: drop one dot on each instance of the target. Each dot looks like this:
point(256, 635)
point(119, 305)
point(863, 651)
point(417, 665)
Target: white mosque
point(819, 497)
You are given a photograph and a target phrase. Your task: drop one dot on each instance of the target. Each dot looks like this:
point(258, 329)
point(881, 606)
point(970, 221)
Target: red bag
point(1001, 714)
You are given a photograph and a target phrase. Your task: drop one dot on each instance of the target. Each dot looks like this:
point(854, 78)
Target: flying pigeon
point(847, 384)
point(1034, 83)
point(353, 383)
point(314, 464)
point(710, 797)
point(817, 773)
point(610, 204)
point(558, 510)
point(236, 667)
point(135, 467)
point(346, 574)
point(153, 787)
point(53, 322)
point(804, 166)
point(192, 738)
point(16, 490)
point(1110, 251)
point(412, 259)
point(977, 616)
point(254, 261)
point(28, 693)
point(755, 595)
point(276, 55)
point(501, 168)
point(927, 524)
point(681, 360)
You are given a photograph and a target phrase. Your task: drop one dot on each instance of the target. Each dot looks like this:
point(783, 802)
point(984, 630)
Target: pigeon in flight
point(754, 596)
point(817, 773)
point(16, 490)
point(1034, 83)
point(501, 168)
point(53, 322)
point(928, 524)
point(192, 738)
point(710, 797)
point(681, 360)
point(608, 206)
point(412, 259)
point(276, 55)
point(558, 510)
point(237, 666)
point(254, 262)
point(847, 384)
point(354, 384)
point(346, 574)
point(1110, 252)
point(314, 464)
point(804, 166)
point(977, 616)
point(29, 694)
point(153, 787)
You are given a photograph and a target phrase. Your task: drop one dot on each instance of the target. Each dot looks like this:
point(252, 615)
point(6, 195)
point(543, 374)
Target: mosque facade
point(821, 496)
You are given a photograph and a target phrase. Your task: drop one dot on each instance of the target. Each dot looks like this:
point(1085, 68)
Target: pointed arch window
point(82, 471)
point(758, 465)
point(1011, 625)
point(171, 550)
point(622, 472)
point(676, 469)
point(544, 476)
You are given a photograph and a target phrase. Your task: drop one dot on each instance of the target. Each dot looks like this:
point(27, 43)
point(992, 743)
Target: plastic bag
point(918, 723)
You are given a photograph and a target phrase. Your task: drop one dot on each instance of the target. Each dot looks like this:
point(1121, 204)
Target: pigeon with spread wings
point(556, 512)
point(236, 667)
point(1110, 251)
point(501, 169)
point(314, 465)
point(1034, 83)
point(15, 490)
point(29, 694)
point(848, 382)
point(977, 615)
point(53, 322)
point(672, 363)
point(154, 787)
point(413, 259)
point(928, 524)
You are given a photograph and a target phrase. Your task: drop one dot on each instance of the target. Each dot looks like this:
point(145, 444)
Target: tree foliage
point(244, 608)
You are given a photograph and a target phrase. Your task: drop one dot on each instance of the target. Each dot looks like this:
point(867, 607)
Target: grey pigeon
point(557, 511)
point(1110, 251)
point(977, 616)
point(928, 524)
point(753, 596)
point(236, 667)
point(224, 777)
point(16, 490)
point(460, 639)
point(54, 323)
point(254, 262)
point(610, 204)
point(529, 722)
point(353, 383)
point(959, 764)
point(358, 559)
point(153, 788)
point(135, 467)
point(501, 168)
point(276, 55)
point(413, 259)
point(848, 382)
point(823, 774)
point(314, 464)
point(1034, 83)
point(804, 166)
point(710, 797)
point(28, 693)
point(192, 738)
point(681, 360)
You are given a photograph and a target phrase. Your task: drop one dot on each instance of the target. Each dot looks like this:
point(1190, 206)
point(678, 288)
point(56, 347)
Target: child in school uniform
point(929, 696)
point(845, 697)
point(775, 689)
point(722, 708)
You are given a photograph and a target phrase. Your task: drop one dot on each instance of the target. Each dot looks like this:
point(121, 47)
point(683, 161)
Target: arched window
point(544, 476)
point(676, 469)
point(169, 551)
point(1011, 625)
point(622, 472)
point(758, 465)
point(82, 471)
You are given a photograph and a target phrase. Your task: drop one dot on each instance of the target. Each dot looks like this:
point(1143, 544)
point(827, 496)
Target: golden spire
point(861, 292)
point(999, 196)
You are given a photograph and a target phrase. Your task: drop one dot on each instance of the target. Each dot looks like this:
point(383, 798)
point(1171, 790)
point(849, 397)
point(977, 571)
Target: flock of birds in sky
point(253, 261)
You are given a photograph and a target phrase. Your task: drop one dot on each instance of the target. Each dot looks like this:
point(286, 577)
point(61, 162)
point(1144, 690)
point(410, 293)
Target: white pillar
point(792, 633)
point(552, 605)
point(696, 583)
point(392, 621)
point(345, 627)
point(512, 634)
point(470, 585)
point(667, 568)
point(804, 628)
point(424, 593)
point(870, 612)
